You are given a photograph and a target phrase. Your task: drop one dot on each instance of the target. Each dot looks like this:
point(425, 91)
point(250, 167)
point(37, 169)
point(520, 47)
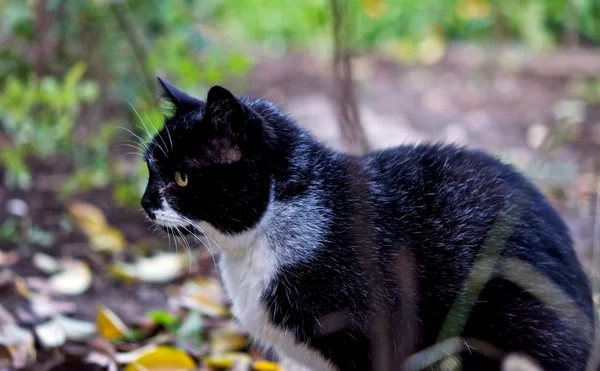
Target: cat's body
point(341, 262)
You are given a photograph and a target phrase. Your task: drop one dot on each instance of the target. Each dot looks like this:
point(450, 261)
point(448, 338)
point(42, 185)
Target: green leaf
point(163, 318)
point(191, 329)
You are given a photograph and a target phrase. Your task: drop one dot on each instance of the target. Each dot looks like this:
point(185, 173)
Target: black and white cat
point(341, 262)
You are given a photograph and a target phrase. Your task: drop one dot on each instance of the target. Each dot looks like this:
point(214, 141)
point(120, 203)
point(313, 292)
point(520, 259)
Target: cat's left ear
point(174, 101)
point(226, 112)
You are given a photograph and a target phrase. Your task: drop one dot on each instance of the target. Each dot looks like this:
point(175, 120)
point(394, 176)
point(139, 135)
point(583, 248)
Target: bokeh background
point(83, 280)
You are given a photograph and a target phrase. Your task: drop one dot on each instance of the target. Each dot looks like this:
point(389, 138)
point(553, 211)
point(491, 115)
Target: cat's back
point(448, 207)
point(450, 188)
point(445, 201)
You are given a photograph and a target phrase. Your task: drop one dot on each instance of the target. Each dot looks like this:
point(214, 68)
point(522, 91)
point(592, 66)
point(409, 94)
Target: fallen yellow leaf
point(265, 366)
point(227, 360)
point(205, 306)
point(21, 287)
point(87, 216)
point(107, 239)
point(122, 271)
point(163, 358)
point(160, 268)
point(93, 223)
point(109, 324)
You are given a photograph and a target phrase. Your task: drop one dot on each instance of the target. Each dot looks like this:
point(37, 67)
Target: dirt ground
point(492, 106)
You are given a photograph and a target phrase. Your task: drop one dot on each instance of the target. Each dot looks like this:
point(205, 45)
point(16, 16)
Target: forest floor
point(533, 112)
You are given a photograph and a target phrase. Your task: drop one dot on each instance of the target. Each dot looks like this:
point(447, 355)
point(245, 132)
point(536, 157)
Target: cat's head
point(208, 164)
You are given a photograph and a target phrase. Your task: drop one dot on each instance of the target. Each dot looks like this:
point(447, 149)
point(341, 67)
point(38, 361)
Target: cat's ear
point(226, 112)
point(174, 101)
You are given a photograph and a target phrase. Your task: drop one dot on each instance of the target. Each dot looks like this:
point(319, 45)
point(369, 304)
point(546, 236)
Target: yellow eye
point(181, 179)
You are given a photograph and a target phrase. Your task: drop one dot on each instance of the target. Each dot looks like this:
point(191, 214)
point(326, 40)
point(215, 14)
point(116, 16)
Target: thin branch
point(136, 41)
point(347, 106)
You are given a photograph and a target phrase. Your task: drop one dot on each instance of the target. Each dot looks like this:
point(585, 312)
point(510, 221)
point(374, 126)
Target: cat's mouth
point(169, 220)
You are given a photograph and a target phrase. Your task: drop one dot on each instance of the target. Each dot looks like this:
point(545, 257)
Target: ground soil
point(484, 105)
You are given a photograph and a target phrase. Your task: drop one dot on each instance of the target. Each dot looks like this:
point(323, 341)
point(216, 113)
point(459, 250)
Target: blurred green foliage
point(39, 115)
point(68, 68)
point(51, 104)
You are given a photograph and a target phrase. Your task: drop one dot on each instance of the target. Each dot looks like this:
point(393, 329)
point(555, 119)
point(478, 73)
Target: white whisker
point(132, 144)
point(159, 134)
point(169, 135)
point(189, 250)
point(169, 236)
point(204, 233)
point(142, 142)
point(145, 128)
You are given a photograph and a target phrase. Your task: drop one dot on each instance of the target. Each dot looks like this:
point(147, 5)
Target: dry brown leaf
point(45, 263)
point(204, 295)
point(75, 329)
point(163, 358)
point(8, 258)
point(227, 339)
point(6, 318)
point(50, 334)
point(21, 287)
point(536, 135)
point(103, 360)
point(42, 306)
point(17, 207)
point(17, 345)
point(74, 279)
point(109, 325)
point(101, 345)
point(160, 268)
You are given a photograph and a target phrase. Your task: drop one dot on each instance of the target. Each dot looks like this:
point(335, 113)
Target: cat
point(386, 261)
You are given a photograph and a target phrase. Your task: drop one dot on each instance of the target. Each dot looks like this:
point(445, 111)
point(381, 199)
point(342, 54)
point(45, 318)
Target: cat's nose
point(147, 205)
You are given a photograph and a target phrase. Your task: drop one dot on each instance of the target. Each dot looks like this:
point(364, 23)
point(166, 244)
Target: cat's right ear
point(174, 101)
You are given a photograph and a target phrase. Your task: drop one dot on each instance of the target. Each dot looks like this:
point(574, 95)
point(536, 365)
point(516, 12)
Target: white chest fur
point(249, 263)
point(246, 274)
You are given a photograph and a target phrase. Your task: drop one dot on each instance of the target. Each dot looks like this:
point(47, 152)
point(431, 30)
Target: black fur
point(406, 226)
